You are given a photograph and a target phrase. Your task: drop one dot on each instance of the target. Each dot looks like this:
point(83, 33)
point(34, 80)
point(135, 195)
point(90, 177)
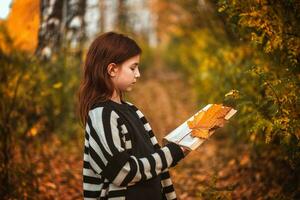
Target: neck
point(116, 97)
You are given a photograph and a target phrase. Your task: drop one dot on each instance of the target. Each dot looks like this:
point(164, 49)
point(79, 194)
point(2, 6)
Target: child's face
point(127, 74)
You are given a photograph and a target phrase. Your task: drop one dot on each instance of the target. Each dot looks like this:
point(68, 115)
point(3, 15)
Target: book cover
point(195, 130)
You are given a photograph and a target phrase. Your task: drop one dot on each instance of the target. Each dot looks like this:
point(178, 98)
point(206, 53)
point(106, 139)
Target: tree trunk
point(5, 191)
point(62, 25)
point(75, 26)
point(49, 37)
point(121, 16)
point(102, 7)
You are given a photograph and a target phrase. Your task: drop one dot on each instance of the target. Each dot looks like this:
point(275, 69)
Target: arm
point(108, 156)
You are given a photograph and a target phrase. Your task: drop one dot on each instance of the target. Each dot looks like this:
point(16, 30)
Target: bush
point(37, 100)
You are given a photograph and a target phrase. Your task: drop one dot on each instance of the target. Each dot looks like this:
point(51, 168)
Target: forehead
point(133, 60)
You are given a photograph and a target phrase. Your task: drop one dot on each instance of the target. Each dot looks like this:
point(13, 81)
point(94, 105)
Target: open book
point(194, 131)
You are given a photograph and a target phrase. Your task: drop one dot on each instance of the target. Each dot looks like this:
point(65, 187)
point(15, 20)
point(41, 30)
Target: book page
point(191, 142)
point(177, 134)
point(230, 114)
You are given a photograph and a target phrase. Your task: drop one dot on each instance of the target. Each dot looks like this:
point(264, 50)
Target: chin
point(128, 89)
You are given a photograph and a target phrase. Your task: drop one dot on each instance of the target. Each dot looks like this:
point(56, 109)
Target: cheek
point(129, 74)
point(126, 77)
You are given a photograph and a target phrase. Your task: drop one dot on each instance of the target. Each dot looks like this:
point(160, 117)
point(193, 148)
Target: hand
point(185, 150)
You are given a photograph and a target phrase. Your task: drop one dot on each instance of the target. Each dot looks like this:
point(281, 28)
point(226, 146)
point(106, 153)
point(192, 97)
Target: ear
point(112, 69)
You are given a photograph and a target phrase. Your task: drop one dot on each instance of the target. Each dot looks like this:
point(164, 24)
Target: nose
point(137, 73)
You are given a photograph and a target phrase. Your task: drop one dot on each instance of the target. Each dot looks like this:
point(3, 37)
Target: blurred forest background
point(245, 54)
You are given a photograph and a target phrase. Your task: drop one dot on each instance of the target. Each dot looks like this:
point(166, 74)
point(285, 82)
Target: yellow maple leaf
point(204, 121)
point(193, 123)
point(200, 133)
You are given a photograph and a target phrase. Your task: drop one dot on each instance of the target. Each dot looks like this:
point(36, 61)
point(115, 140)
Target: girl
point(122, 159)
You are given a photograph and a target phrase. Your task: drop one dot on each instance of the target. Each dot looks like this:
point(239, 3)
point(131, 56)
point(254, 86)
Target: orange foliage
point(23, 24)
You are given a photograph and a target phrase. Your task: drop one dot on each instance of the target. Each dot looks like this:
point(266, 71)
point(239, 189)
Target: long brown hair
point(96, 85)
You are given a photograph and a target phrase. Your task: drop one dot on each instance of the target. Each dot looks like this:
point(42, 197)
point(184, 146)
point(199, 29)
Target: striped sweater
point(108, 166)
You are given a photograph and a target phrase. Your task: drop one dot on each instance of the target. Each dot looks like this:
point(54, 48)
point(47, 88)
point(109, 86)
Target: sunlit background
point(4, 9)
point(243, 54)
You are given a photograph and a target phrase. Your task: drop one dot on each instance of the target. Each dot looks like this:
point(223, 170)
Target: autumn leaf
point(57, 85)
point(200, 133)
point(204, 121)
point(50, 185)
point(193, 123)
point(33, 132)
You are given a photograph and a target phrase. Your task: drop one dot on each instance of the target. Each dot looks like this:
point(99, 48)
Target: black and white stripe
point(166, 181)
point(108, 168)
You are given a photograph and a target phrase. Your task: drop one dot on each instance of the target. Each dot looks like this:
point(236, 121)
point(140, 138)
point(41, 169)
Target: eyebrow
point(135, 64)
